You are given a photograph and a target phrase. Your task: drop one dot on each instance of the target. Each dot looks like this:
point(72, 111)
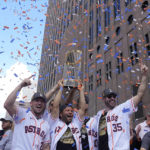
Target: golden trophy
point(72, 68)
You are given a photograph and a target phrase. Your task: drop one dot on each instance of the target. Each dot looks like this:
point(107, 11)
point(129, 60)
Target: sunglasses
point(111, 95)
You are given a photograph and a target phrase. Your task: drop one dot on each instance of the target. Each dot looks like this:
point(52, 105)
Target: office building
point(113, 35)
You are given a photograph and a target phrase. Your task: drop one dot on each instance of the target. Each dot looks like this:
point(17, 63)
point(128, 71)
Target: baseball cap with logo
point(108, 92)
point(7, 118)
point(38, 95)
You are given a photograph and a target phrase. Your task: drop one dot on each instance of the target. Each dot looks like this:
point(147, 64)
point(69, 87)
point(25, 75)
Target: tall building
point(113, 35)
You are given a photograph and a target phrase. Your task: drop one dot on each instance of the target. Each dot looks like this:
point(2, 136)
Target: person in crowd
point(84, 134)
point(1, 134)
point(146, 142)
point(7, 124)
point(110, 128)
point(66, 124)
point(134, 143)
point(31, 130)
point(76, 107)
point(143, 128)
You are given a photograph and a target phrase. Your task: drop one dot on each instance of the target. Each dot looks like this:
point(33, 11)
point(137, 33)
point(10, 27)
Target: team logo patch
point(125, 110)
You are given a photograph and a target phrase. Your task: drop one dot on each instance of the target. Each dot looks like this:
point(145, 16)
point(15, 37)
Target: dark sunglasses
point(111, 95)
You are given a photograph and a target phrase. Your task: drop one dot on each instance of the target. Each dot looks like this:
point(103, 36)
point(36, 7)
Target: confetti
point(1, 52)
point(15, 75)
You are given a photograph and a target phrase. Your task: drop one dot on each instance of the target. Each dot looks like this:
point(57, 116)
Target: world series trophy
point(72, 68)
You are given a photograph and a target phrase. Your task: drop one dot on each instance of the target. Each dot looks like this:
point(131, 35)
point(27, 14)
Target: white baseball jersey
point(144, 129)
point(58, 128)
point(29, 133)
point(118, 129)
point(5, 143)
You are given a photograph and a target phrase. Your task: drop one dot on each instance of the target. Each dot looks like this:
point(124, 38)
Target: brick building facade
point(113, 36)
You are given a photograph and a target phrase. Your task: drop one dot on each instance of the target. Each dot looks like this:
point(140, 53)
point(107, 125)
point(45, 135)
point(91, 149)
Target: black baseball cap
point(62, 107)
point(38, 95)
point(7, 118)
point(107, 92)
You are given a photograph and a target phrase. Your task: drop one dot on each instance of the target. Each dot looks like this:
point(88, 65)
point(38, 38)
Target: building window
point(80, 6)
point(108, 71)
point(91, 83)
point(107, 16)
point(98, 78)
point(127, 2)
point(54, 76)
point(147, 38)
point(90, 33)
point(86, 6)
point(98, 18)
point(76, 9)
point(134, 54)
point(98, 26)
point(91, 36)
point(117, 8)
point(120, 66)
point(147, 44)
point(107, 40)
point(98, 49)
point(91, 15)
point(72, 10)
point(139, 113)
point(91, 2)
point(144, 5)
point(91, 56)
point(118, 31)
point(105, 1)
point(98, 6)
point(99, 2)
point(70, 58)
point(130, 19)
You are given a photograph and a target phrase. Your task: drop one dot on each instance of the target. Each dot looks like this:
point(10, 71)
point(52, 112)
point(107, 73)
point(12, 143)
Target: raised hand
point(61, 83)
point(81, 86)
point(144, 68)
point(26, 82)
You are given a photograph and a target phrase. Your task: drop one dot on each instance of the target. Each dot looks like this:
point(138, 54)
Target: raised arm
point(142, 87)
point(57, 99)
point(82, 103)
point(50, 93)
point(10, 101)
point(138, 129)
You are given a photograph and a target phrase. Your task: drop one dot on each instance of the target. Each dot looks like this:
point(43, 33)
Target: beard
point(38, 111)
point(109, 105)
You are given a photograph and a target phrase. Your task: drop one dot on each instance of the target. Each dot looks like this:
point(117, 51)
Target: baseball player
point(146, 142)
point(66, 124)
point(31, 132)
point(109, 129)
point(143, 128)
point(7, 123)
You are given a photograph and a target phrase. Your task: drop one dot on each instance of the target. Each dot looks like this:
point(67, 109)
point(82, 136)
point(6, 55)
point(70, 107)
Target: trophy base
point(70, 83)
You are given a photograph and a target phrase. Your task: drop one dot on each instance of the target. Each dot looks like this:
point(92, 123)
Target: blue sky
point(21, 32)
point(21, 36)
